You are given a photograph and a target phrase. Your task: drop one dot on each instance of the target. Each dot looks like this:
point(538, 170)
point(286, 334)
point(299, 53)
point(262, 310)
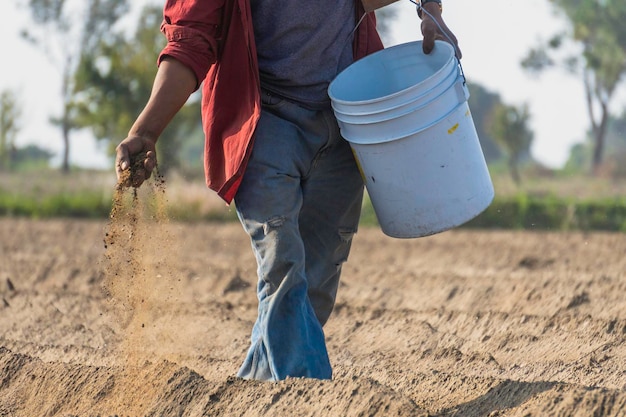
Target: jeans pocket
point(271, 100)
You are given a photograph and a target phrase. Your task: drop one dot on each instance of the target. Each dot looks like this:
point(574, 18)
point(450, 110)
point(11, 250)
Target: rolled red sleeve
point(191, 28)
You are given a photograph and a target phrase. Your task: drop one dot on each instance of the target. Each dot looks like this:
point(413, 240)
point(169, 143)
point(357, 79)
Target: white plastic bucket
point(413, 136)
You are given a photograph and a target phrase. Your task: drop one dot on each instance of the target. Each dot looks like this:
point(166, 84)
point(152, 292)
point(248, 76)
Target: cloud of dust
point(139, 280)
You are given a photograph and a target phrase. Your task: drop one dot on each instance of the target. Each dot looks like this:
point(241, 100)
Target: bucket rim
point(454, 76)
point(359, 141)
point(356, 103)
point(411, 109)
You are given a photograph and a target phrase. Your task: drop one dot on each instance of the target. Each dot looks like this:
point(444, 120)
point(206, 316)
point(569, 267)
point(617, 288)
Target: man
point(273, 145)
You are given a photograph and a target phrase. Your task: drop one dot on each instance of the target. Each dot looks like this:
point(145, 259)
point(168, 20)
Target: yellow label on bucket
point(453, 128)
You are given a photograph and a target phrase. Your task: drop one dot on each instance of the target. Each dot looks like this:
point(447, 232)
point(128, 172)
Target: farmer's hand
point(431, 31)
point(134, 161)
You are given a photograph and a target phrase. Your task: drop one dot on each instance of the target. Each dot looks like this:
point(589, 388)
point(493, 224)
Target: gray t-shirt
point(302, 45)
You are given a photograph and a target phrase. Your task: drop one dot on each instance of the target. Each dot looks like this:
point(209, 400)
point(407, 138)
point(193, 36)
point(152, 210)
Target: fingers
point(122, 160)
point(149, 162)
point(144, 169)
point(132, 167)
point(429, 32)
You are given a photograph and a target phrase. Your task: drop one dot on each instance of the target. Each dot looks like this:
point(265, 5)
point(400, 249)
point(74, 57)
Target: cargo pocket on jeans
point(273, 223)
point(345, 234)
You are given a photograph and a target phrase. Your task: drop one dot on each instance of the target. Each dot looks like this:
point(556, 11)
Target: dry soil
point(140, 316)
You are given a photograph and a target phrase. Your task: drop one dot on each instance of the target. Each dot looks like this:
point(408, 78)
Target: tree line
point(107, 76)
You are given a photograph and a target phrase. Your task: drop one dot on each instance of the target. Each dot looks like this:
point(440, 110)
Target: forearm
point(172, 87)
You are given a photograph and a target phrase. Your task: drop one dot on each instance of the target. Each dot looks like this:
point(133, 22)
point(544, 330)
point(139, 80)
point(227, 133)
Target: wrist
point(432, 7)
point(144, 132)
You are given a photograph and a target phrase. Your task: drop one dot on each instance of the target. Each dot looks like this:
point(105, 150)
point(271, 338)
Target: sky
point(494, 37)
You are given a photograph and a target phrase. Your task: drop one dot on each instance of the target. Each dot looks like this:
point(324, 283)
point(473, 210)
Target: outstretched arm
point(173, 84)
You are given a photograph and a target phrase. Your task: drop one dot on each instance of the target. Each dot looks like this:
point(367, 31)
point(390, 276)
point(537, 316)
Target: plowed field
point(463, 323)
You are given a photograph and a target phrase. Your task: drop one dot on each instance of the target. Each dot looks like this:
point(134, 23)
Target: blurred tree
point(30, 157)
point(614, 163)
point(66, 31)
point(114, 81)
point(9, 117)
point(482, 102)
point(596, 27)
point(579, 158)
point(509, 127)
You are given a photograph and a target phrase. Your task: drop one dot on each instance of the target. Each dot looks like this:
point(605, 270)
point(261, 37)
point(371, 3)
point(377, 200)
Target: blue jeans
point(300, 202)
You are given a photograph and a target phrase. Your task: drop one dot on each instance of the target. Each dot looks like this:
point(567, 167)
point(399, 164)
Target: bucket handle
point(446, 34)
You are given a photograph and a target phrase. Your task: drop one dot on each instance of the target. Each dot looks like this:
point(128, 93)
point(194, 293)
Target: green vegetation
point(82, 205)
point(553, 213)
point(557, 203)
point(89, 194)
point(44, 193)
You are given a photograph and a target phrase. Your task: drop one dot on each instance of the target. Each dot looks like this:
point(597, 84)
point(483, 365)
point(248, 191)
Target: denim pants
point(300, 202)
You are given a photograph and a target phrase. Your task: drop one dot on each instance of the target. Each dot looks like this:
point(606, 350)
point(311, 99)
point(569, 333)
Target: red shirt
point(222, 54)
